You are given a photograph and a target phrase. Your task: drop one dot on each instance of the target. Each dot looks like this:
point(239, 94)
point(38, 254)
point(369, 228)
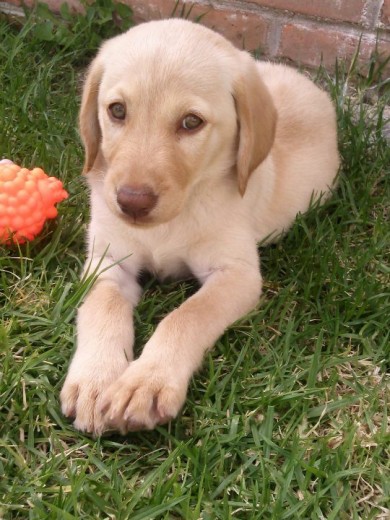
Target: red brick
point(385, 14)
point(342, 10)
point(245, 30)
point(151, 10)
point(307, 44)
point(300, 42)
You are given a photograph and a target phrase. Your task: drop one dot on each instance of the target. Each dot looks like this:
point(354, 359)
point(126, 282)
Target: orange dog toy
point(27, 200)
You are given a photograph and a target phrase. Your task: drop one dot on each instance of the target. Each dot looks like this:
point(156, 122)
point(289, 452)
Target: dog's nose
point(137, 201)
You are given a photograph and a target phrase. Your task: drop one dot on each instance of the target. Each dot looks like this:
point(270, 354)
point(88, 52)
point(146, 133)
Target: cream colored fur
point(269, 144)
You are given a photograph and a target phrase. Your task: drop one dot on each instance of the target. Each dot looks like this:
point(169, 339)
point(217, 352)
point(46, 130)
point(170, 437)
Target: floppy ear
point(89, 124)
point(257, 116)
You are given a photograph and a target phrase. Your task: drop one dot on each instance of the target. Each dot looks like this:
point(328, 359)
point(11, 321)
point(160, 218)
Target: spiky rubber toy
point(27, 200)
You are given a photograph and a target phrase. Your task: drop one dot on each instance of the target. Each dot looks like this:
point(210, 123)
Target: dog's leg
point(153, 388)
point(104, 349)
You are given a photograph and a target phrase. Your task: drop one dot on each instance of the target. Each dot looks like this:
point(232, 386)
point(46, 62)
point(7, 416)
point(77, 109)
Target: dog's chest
point(165, 260)
point(162, 253)
point(175, 268)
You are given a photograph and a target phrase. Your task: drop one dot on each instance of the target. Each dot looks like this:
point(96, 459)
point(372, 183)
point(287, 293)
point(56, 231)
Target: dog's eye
point(191, 122)
point(117, 110)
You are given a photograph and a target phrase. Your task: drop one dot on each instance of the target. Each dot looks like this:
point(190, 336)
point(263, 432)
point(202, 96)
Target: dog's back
point(304, 160)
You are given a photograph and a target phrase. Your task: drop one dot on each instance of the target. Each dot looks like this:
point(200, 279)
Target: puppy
point(194, 152)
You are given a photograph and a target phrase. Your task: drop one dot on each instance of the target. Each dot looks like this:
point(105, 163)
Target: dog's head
point(167, 106)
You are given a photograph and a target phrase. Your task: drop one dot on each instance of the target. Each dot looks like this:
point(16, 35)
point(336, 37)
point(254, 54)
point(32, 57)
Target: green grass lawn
point(288, 417)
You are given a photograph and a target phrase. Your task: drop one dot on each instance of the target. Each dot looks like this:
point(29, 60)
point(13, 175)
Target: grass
point(288, 418)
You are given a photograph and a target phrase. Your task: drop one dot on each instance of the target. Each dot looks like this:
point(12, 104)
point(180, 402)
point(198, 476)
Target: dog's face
point(167, 106)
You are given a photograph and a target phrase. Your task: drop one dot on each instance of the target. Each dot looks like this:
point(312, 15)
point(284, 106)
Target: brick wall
point(305, 32)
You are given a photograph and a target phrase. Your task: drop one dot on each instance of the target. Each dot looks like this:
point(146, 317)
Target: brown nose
point(136, 201)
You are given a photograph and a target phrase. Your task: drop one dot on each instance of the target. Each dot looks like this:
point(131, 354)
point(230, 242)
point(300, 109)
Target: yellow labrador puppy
point(194, 153)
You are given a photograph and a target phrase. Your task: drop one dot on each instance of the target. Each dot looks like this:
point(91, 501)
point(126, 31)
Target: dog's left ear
point(256, 116)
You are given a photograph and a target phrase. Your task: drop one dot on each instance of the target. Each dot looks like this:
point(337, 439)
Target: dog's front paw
point(83, 388)
point(147, 394)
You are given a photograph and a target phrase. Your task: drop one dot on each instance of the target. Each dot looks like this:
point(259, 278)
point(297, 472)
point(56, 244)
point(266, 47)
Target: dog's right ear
point(89, 123)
